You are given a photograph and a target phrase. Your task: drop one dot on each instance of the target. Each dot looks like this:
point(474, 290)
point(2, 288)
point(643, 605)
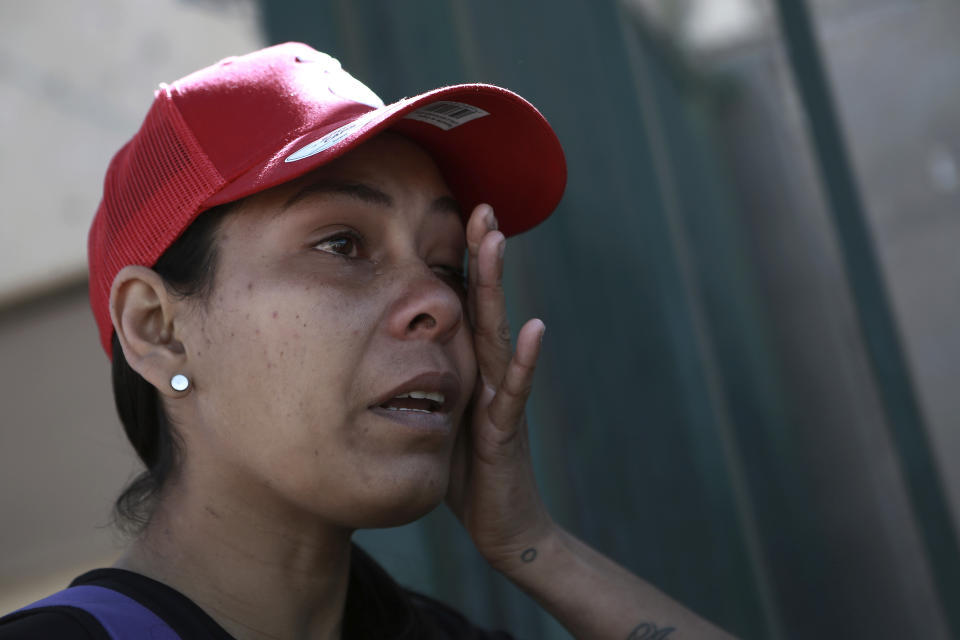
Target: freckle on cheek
point(249, 286)
point(275, 314)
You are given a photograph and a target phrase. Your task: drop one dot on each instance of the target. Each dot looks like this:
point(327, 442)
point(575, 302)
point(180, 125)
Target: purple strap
point(121, 616)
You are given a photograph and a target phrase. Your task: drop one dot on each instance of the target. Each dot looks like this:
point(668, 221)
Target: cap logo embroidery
point(330, 139)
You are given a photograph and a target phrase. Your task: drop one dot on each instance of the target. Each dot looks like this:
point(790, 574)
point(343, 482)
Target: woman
point(275, 270)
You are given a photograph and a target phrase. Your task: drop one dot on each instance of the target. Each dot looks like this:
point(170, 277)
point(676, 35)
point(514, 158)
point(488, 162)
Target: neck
point(259, 573)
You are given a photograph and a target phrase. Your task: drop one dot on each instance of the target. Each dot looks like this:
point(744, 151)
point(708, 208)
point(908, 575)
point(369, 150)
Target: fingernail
point(542, 331)
point(491, 219)
point(501, 247)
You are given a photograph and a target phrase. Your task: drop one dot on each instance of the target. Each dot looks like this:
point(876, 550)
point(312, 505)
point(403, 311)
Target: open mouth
point(425, 400)
point(415, 401)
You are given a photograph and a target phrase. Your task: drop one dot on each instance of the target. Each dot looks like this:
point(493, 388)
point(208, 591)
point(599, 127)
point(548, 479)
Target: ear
point(144, 316)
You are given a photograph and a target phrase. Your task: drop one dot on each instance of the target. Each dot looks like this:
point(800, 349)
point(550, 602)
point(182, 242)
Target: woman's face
point(334, 294)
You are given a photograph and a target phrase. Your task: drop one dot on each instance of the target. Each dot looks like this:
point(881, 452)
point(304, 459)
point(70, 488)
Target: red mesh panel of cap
point(154, 186)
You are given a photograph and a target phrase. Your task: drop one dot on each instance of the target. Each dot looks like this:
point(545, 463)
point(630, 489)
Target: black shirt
point(435, 619)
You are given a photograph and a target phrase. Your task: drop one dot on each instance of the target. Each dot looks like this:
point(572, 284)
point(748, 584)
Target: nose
point(425, 307)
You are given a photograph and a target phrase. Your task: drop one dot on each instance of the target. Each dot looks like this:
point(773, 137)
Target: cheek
point(280, 355)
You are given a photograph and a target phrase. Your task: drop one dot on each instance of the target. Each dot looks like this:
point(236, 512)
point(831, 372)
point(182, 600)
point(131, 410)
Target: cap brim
point(509, 158)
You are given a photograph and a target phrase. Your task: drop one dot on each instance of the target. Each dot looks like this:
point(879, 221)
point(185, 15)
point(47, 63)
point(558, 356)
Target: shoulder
point(107, 603)
point(62, 622)
point(447, 622)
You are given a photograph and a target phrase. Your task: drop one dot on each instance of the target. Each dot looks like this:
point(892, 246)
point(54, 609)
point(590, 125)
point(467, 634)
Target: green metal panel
point(624, 419)
point(660, 428)
point(875, 314)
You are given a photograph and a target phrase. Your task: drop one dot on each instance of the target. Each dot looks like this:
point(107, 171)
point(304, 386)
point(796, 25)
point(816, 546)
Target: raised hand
point(492, 489)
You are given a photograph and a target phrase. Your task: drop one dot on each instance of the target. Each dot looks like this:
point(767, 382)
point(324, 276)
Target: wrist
point(529, 553)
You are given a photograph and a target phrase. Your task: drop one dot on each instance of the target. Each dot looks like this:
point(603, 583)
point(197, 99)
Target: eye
point(344, 243)
point(454, 276)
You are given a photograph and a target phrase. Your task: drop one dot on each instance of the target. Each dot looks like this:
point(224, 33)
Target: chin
point(404, 503)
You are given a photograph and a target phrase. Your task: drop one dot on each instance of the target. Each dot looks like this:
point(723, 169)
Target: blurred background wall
point(751, 288)
point(76, 79)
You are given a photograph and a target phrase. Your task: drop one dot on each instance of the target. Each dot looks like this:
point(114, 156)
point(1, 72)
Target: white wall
point(76, 79)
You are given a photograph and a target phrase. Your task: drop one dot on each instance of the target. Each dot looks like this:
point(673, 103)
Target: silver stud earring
point(179, 382)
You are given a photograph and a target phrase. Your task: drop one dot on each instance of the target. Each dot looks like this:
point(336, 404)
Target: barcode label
point(447, 115)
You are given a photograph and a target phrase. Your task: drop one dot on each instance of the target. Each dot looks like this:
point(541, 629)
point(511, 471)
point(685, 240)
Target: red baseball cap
point(252, 122)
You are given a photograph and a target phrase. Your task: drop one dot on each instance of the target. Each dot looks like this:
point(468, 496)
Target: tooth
point(424, 395)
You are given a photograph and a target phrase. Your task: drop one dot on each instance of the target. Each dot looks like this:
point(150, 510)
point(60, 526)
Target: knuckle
point(506, 419)
point(493, 288)
point(499, 334)
point(518, 390)
point(484, 332)
point(507, 438)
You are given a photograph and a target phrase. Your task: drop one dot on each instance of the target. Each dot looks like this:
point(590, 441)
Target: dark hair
point(376, 604)
point(189, 269)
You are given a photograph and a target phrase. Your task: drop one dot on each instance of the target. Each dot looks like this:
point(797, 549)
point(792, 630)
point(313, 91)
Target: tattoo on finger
point(529, 555)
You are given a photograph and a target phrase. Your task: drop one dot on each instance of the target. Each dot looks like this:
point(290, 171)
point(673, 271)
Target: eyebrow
point(357, 190)
point(366, 193)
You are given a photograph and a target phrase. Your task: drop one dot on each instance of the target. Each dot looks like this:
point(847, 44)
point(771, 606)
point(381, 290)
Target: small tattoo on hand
point(529, 555)
point(649, 631)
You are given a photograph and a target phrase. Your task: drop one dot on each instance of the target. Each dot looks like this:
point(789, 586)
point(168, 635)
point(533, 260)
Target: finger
point(481, 221)
point(491, 329)
point(506, 409)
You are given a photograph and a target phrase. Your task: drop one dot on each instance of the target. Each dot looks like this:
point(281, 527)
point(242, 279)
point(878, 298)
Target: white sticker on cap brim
point(446, 114)
point(332, 138)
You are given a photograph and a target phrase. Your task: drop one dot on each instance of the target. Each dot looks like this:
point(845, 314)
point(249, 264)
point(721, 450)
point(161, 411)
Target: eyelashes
point(454, 276)
point(349, 245)
point(344, 243)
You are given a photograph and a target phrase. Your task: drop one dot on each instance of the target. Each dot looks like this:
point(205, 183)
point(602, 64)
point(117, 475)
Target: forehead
point(388, 174)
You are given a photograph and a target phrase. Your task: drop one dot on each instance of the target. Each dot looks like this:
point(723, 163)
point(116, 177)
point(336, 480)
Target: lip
point(444, 382)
